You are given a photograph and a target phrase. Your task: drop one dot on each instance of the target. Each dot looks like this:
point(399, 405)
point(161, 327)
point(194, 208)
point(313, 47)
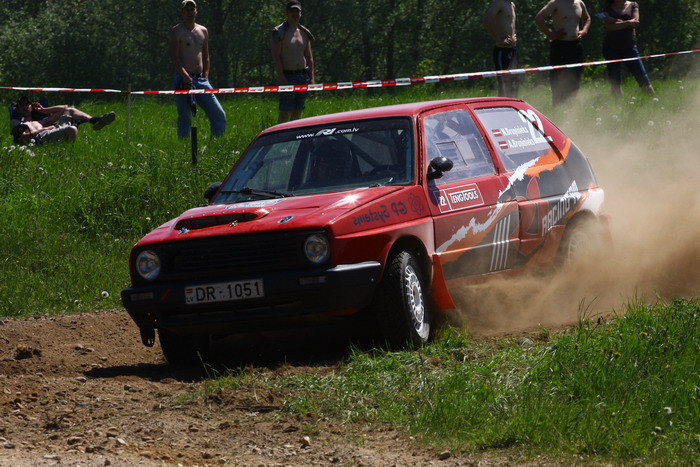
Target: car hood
point(293, 213)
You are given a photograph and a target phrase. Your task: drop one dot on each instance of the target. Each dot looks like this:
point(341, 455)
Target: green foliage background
point(117, 44)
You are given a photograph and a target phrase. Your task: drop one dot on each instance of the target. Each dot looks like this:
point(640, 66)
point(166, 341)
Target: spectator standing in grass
point(293, 61)
point(571, 22)
point(32, 121)
point(189, 54)
point(499, 22)
point(621, 19)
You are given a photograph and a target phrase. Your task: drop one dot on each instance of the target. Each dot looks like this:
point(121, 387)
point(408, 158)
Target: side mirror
point(438, 166)
point(211, 190)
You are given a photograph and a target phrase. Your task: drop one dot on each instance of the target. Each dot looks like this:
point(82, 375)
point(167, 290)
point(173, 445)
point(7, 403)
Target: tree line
point(122, 43)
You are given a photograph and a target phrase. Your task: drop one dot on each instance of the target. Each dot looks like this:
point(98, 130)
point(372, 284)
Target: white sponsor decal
point(255, 204)
point(499, 255)
point(329, 132)
point(460, 197)
point(565, 204)
point(466, 195)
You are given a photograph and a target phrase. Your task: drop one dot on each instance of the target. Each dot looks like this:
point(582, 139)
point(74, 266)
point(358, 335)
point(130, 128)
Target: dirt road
point(82, 390)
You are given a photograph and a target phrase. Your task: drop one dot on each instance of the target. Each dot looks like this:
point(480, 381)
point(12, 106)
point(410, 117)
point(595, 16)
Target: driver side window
point(454, 135)
point(272, 170)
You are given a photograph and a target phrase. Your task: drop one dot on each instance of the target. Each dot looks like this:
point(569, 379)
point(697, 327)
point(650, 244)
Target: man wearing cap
point(293, 60)
point(32, 121)
point(189, 54)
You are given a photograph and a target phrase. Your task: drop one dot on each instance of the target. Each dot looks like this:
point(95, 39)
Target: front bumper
point(287, 295)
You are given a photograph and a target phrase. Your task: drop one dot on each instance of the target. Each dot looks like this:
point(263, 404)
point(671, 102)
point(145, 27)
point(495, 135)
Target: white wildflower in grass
point(650, 123)
point(615, 117)
point(631, 102)
point(109, 164)
point(681, 87)
point(598, 121)
point(668, 410)
point(76, 302)
point(12, 148)
point(668, 122)
point(656, 99)
point(148, 219)
point(105, 294)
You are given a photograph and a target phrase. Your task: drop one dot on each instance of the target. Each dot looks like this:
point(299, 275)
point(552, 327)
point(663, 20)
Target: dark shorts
point(505, 58)
point(294, 100)
point(565, 52)
point(565, 82)
point(636, 67)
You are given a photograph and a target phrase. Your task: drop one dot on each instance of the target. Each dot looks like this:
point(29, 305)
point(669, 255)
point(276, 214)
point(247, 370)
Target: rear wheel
point(183, 350)
point(401, 303)
point(582, 238)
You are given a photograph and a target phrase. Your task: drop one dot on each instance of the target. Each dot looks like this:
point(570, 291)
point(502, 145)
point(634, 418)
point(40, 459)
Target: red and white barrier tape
point(357, 84)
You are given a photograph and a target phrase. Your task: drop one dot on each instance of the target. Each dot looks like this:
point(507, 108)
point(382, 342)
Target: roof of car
point(408, 110)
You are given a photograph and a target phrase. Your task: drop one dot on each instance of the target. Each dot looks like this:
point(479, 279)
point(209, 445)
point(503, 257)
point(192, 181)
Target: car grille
point(234, 255)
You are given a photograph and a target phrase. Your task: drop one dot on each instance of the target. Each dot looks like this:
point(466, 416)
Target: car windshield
point(321, 159)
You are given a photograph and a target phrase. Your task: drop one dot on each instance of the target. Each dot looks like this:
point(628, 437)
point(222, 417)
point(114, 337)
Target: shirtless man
point(293, 60)
point(59, 122)
point(189, 54)
point(499, 22)
point(570, 25)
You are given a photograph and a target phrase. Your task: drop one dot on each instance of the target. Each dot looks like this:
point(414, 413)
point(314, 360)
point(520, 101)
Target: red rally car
point(378, 210)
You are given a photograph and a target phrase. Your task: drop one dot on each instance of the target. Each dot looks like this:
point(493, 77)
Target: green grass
point(622, 391)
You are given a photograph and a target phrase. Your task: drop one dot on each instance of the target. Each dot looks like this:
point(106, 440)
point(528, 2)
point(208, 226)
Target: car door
point(527, 145)
point(475, 215)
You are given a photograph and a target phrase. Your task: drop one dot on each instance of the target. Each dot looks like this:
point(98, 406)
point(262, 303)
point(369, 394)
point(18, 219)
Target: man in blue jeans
point(189, 53)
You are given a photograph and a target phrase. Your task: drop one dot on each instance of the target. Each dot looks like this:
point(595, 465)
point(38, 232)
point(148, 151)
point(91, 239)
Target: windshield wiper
point(263, 193)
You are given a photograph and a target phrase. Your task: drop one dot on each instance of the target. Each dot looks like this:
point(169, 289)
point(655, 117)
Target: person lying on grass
point(57, 123)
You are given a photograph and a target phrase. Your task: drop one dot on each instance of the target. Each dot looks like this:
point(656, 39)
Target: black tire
point(401, 303)
point(583, 237)
point(183, 350)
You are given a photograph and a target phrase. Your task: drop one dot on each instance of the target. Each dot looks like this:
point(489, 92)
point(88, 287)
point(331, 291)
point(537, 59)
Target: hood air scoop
point(212, 221)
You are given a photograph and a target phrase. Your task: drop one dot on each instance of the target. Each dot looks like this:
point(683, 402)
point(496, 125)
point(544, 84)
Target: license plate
point(224, 292)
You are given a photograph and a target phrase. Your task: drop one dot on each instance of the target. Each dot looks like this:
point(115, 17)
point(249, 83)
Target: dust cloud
point(651, 181)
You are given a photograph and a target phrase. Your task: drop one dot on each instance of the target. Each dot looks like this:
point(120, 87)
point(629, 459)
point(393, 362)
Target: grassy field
point(71, 212)
point(624, 390)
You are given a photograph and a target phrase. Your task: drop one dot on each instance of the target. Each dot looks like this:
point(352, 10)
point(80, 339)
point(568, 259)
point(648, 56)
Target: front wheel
point(183, 350)
point(401, 303)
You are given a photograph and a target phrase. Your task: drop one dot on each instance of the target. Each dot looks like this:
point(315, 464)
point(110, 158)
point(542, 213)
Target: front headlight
point(148, 264)
point(317, 249)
